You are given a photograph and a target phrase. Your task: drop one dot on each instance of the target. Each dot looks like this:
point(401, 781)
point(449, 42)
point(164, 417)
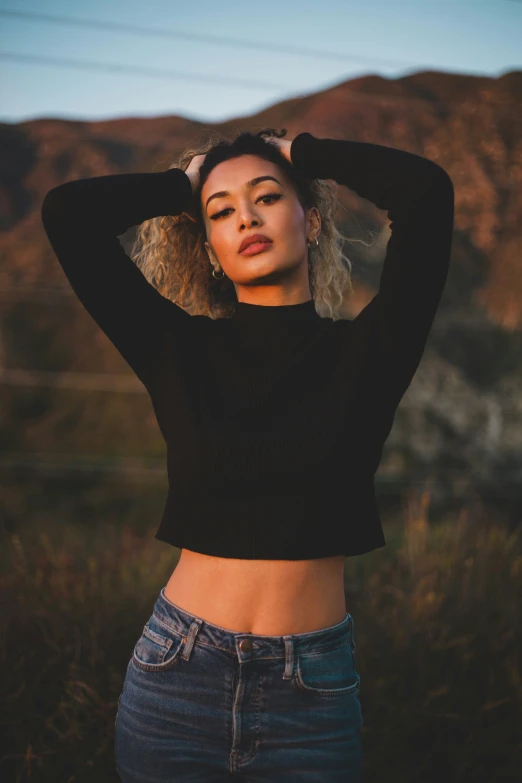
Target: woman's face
point(269, 207)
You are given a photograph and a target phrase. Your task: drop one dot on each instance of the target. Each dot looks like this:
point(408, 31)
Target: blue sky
point(216, 81)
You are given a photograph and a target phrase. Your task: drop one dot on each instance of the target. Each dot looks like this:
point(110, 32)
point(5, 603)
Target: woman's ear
point(210, 254)
point(212, 258)
point(313, 222)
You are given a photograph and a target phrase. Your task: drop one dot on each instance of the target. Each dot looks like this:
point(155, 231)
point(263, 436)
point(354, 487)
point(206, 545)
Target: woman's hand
point(283, 146)
point(192, 170)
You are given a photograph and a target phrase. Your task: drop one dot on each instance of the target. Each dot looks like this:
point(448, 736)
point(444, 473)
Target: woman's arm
point(82, 219)
point(419, 197)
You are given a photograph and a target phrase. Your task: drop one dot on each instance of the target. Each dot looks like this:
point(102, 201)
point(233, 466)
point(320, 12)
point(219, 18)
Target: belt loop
point(289, 658)
point(352, 634)
point(191, 636)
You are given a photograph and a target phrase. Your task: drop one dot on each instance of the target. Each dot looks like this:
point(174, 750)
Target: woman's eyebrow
point(249, 184)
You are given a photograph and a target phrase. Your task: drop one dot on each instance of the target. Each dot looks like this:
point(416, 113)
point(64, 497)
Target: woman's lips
point(256, 247)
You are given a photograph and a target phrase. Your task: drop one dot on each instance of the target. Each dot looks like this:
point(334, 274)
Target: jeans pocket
point(328, 672)
point(158, 647)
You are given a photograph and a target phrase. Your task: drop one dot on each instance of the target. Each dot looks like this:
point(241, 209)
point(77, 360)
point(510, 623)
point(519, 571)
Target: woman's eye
point(275, 196)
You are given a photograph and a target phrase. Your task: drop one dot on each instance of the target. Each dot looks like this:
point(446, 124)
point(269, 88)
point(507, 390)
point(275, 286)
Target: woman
point(274, 416)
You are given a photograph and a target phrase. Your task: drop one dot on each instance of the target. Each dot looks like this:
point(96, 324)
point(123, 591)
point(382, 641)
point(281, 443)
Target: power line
point(154, 73)
point(346, 96)
point(84, 381)
point(154, 470)
point(159, 73)
point(202, 38)
point(126, 382)
point(66, 463)
point(32, 293)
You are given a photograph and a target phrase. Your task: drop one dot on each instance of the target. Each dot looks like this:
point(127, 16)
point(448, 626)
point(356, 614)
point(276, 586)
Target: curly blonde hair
point(170, 250)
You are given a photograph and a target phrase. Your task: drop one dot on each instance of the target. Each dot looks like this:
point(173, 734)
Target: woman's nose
point(248, 216)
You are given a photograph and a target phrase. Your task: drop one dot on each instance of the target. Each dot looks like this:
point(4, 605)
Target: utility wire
point(121, 382)
point(84, 381)
point(62, 466)
point(342, 95)
point(159, 73)
point(66, 463)
point(203, 38)
point(154, 73)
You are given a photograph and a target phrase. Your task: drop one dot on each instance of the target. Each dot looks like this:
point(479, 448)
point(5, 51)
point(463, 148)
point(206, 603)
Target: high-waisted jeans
point(204, 703)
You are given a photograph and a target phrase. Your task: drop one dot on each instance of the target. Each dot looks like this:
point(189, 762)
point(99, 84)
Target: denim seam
point(164, 665)
point(317, 649)
point(190, 639)
point(289, 658)
point(324, 691)
point(166, 625)
point(322, 650)
point(157, 638)
point(235, 755)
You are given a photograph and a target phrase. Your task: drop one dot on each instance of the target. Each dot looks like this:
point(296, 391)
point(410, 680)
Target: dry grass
point(437, 631)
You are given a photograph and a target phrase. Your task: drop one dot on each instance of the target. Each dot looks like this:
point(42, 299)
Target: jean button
point(245, 645)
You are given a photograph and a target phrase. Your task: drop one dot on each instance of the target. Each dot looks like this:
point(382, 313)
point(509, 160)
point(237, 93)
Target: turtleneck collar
point(255, 313)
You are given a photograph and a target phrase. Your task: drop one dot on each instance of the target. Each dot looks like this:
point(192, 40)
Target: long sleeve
point(82, 219)
point(418, 195)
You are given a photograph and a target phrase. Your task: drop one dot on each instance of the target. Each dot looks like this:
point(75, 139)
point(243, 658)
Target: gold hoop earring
point(218, 278)
point(316, 243)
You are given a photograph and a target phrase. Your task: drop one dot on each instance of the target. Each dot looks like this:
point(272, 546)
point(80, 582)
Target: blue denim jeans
point(204, 703)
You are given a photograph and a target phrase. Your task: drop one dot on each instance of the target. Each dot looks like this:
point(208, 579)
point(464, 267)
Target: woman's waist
point(268, 597)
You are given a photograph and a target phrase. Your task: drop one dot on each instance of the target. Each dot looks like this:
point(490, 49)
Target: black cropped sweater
point(274, 419)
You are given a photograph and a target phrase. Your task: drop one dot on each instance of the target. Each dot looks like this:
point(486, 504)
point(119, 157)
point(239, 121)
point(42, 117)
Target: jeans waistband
point(259, 647)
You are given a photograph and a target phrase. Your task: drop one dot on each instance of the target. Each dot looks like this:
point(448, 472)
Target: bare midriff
point(265, 597)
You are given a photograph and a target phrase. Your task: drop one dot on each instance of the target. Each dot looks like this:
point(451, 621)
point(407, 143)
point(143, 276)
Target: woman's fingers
point(283, 146)
point(192, 170)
